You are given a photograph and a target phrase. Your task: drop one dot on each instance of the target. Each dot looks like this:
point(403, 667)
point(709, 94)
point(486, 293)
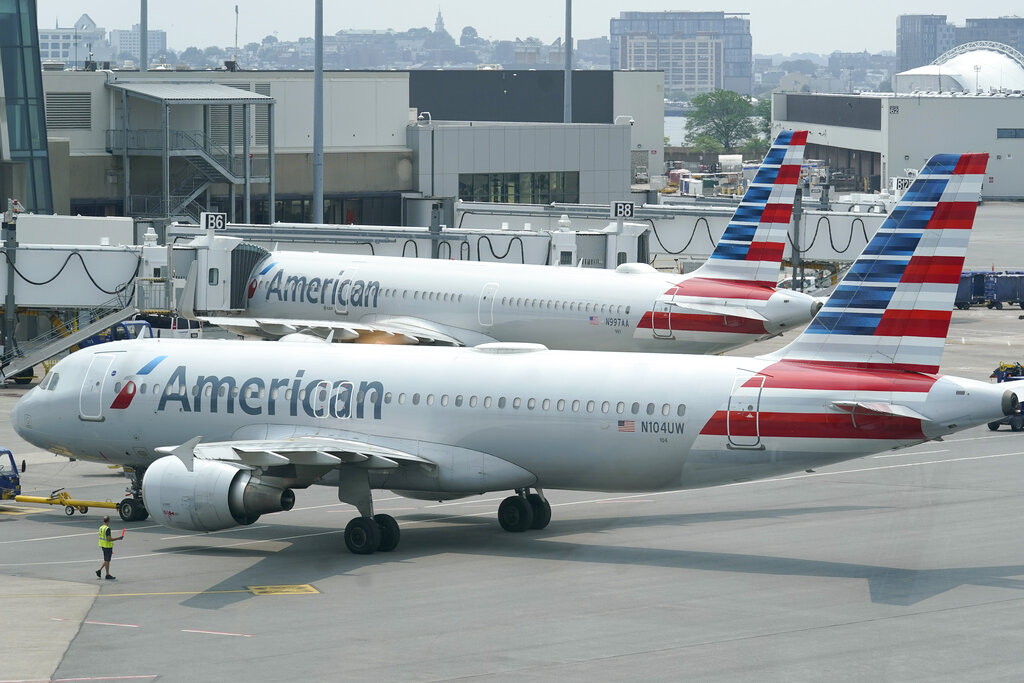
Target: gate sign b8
point(213, 221)
point(622, 210)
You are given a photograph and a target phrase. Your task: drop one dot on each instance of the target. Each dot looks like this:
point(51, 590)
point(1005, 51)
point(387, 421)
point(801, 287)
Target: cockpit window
point(49, 382)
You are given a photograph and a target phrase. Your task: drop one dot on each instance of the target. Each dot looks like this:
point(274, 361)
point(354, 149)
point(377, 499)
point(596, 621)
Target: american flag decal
point(594, 320)
point(627, 426)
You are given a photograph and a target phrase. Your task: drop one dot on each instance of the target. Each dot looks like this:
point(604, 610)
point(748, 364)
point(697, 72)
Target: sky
point(779, 26)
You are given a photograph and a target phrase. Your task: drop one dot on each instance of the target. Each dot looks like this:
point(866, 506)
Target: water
point(675, 130)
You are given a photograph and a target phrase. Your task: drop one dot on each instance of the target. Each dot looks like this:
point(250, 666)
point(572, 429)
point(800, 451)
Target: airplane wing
point(310, 451)
point(400, 330)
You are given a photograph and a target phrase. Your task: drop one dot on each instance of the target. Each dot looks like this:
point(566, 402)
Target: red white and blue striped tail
point(894, 305)
point(751, 247)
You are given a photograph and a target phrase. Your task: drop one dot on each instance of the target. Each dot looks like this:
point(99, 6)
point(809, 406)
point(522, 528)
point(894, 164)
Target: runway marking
point(90, 533)
point(116, 595)
point(98, 623)
point(217, 633)
point(903, 455)
point(295, 589)
point(146, 677)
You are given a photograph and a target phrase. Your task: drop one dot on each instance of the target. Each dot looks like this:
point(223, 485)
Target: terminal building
point(169, 144)
point(969, 100)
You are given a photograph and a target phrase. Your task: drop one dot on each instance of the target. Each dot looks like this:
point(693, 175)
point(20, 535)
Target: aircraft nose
point(18, 417)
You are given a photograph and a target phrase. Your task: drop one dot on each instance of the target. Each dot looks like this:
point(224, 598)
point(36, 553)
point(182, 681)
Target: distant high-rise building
point(73, 44)
point(124, 42)
point(920, 38)
point(1005, 30)
point(698, 51)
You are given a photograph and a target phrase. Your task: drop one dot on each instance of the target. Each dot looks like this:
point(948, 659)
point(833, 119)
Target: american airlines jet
point(226, 430)
point(729, 301)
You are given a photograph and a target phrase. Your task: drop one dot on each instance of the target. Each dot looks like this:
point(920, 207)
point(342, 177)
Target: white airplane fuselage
point(634, 308)
point(572, 420)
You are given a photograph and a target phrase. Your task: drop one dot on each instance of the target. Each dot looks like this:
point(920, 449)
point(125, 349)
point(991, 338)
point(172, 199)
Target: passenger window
point(666, 409)
point(546, 404)
point(458, 401)
point(208, 391)
point(387, 397)
point(681, 410)
point(444, 400)
point(401, 399)
point(572, 306)
point(430, 399)
point(531, 404)
point(501, 402)
point(234, 391)
point(590, 406)
point(605, 406)
point(516, 402)
point(650, 409)
point(472, 401)
point(214, 277)
point(620, 407)
point(222, 392)
point(635, 408)
point(560, 406)
point(487, 401)
point(627, 310)
point(117, 387)
point(142, 388)
point(415, 399)
point(156, 387)
point(576, 406)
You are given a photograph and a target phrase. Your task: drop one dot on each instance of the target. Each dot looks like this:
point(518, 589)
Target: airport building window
point(1010, 132)
point(538, 187)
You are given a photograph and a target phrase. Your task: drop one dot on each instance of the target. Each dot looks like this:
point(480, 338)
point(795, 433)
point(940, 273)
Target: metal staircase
point(60, 338)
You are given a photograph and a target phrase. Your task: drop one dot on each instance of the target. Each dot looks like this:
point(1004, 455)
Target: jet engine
point(214, 495)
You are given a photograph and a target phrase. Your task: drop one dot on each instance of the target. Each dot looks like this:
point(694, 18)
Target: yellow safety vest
point(104, 541)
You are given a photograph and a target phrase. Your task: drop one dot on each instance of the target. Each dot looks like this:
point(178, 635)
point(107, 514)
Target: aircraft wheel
point(141, 512)
point(1017, 423)
point(84, 509)
point(541, 511)
point(994, 426)
point(69, 510)
point(362, 536)
point(127, 509)
point(515, 514)
point(389, 532)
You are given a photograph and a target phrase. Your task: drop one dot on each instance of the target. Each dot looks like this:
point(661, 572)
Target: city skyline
point(782, 27)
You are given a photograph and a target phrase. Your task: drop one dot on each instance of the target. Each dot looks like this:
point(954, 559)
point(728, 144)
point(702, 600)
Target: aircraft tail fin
point(894, 306)
point(752, 245)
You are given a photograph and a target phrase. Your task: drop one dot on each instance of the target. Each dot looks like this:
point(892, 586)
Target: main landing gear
point(524, 511)
point(132, 509)
point(368, 533)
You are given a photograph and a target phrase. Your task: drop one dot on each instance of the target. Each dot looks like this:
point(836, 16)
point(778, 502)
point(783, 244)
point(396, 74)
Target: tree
point(801, 66)
point(469, 37)
point(193, 56)
point(763, 112)
point(723, 116)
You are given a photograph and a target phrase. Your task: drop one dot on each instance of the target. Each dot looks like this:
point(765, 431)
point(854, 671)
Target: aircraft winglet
point(184, 452)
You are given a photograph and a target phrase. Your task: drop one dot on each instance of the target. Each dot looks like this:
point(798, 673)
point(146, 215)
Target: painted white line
point(91, 533)
point(910, 453)
point(217, 633)
point(211, 533)
point(110, 623)
point(147, 677)
point(475, 501)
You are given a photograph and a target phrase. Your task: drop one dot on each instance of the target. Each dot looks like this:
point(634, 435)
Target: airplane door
point(486, 310)
point(342, 296)
point(320, 399)
point(742, 421)
point(90, 400)
point(661, 320)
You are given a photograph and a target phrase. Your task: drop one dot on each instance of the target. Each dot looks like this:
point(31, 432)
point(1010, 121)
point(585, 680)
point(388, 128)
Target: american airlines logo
point(291, 396)
point(334, 291)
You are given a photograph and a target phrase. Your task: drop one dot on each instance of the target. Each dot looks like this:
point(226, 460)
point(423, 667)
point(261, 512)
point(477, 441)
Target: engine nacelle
point(214, 495)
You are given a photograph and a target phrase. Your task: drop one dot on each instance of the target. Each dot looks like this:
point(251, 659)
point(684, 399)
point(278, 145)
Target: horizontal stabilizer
point(719, 309)
point(879, 409)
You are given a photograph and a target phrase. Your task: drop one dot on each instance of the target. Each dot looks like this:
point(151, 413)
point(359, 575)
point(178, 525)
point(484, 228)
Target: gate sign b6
point(213, 221)
point(622, 210)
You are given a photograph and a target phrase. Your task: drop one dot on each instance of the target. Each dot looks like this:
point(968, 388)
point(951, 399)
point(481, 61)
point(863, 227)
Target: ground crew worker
point(107, 546)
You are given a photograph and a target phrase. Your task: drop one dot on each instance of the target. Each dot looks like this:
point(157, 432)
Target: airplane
point(226, 430)
point(731, 300)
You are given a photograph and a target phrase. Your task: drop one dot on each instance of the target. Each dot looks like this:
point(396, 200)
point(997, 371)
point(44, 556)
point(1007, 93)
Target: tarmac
point(902, 566)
